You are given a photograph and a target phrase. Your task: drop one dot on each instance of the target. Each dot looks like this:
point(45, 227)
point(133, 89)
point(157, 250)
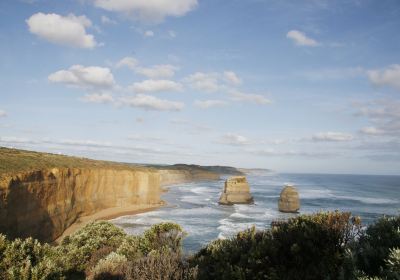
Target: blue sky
point(293, 86)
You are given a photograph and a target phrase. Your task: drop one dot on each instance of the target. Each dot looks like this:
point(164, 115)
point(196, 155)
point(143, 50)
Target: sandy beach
point(108, 214)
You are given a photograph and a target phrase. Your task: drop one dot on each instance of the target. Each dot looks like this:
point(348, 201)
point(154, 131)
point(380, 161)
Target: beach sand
point(108, 214)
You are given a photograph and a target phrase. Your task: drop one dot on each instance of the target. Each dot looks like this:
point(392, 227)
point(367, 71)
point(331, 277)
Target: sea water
point(195, 205)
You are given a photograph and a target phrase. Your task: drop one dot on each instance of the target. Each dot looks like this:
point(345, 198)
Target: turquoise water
point(195, 205)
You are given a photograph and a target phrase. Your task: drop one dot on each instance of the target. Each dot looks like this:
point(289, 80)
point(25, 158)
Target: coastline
point(107, 214)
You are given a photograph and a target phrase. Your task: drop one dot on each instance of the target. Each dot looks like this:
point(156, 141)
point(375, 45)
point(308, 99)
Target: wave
point(240, 216)
point(369, 200)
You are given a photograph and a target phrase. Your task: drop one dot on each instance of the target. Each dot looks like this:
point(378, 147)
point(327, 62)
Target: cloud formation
point(3, 114)
point(62, 30)
point(149, 102)
point(384, 116)
point(332, 137)
point(98, 98)
point(157, 71)
point(206, 104)
point(389, 76)
point(249, 97)
point(231, 78)
point(204, 81)
point(300, 39)
point(148, 11)
point(129, 62)
point(90, 78)
point(233, 139)
point(148, 86)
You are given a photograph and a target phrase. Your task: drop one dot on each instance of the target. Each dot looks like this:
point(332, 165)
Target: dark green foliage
point(319, 246)
point(306, 247)
point(374, 246)
point(163, 235)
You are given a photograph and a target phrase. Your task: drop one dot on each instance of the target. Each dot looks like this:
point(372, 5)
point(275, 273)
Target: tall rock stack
point(289, 201)
point(236, 191)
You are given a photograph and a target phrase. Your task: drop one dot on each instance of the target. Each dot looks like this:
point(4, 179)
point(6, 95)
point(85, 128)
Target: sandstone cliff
point(42, 201)
point(236, 191)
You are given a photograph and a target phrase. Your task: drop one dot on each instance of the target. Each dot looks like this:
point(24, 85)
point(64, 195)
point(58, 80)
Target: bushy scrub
point(163, 235)
point(320, 246)
point(375, 244)
point(28, 259)
point(114, 266)
point(76, 250)
point(162, 264)
point(393, 264)
point(305, 247)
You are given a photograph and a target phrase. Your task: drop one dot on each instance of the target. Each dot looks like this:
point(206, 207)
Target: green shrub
point(114, 266)
point(132, 247)
point(28, 259)
point(393, 264)
point(375, 244)
point(168, 235)
point(305, 247)
point(162, 264)
point(77, 249)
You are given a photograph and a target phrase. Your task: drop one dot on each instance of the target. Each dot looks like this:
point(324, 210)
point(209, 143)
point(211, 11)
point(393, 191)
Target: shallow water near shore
point(195, 205)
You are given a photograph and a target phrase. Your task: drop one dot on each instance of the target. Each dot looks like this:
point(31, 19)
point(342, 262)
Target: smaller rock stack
point(236, 191)
point(289, 201)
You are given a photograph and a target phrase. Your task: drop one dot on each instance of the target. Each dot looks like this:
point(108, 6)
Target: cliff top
point(14, 160)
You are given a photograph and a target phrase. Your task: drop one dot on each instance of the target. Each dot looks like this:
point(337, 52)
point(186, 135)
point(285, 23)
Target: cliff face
point(236, 191)
point(173, 176)
point(42, 204)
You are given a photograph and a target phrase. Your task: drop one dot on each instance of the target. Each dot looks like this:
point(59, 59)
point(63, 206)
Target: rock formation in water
point(42, 202)
point(236, 191)
point(289, 201)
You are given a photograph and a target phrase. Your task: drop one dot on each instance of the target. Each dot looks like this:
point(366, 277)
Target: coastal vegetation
point(331, 245)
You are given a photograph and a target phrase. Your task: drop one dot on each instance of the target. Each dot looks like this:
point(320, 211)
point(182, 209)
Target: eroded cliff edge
point(43, 203)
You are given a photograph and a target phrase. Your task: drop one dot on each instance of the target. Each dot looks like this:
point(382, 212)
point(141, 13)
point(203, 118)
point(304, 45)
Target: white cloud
point(371, 130)
point(233, 139)
point(149, 102)
point(69, 30)
point(98, 98)
point(147, 86)
point(300, 39)
point(205, 104)
point(153, 11)
point(204, 81)
point(389, 76)
point(384, 115)
point(148, 33)
point(157, 71)
point(92, 77)
point(3, 114)
point(332, 137)
point(232, 78)
point(107, 20)
point(128, 61)
point(248, 97)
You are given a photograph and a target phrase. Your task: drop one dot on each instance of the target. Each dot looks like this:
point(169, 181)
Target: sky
point(294, 86)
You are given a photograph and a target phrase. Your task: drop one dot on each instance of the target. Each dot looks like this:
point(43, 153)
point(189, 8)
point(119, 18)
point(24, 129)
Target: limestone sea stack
point(289, 201)
point(236, 191)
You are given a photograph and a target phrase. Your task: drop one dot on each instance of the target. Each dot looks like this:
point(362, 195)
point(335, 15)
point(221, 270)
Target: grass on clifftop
point(14, 160)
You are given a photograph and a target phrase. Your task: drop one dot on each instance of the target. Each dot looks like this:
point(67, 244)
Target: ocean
point(195, 205)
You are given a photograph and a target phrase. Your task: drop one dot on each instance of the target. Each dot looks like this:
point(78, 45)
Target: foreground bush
point(320, 246)
point(375, 244)
point(305, 247)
